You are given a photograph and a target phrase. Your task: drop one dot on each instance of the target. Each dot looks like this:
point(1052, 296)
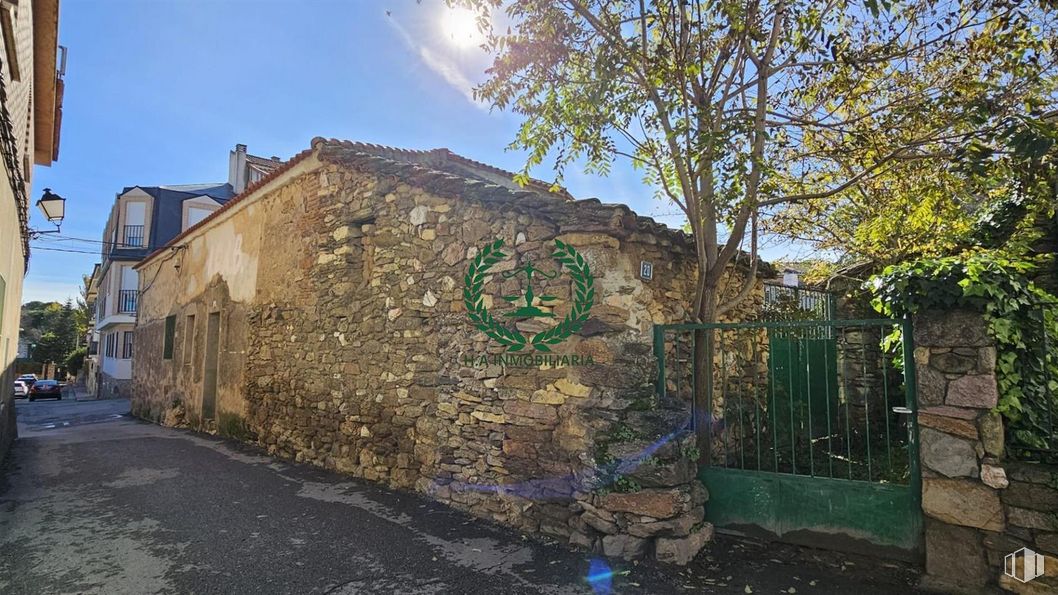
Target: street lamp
point(53, 207)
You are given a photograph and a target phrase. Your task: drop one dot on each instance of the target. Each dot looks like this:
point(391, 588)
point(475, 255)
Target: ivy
point(1020, 317)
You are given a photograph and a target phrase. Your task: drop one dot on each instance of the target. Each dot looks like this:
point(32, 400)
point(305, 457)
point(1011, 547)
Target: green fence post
point(911, 386)
point(659, 354)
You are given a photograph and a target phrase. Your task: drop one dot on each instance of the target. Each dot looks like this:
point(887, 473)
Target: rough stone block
point(599, 524)
point(951, 328)
point(1047, 542)
point(681, 551)
point(962, 502)
point(659, 504)
point(1032, 496)
point(955, 557)
point(952, 362)
point(932, 386)
point(990, 430)
point(677, 527)
point(977, 391)
point(623, 546)
point(665, 474)
point(1030, 473)
point(938, 419)
point(1032, 519)
point(994, 477)
point(948, 455)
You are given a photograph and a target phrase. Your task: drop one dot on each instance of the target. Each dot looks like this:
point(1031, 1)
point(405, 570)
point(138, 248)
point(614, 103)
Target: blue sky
point(158, 92)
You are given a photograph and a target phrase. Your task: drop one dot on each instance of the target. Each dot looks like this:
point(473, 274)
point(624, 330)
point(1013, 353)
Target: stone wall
point(114, 388)
point(346, 344)
point(978, 505)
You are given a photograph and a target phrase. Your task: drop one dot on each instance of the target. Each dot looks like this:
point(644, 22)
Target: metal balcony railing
point(127, 301)
point(133, 236)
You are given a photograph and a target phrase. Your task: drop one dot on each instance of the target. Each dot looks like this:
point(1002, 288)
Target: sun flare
point(461, 28)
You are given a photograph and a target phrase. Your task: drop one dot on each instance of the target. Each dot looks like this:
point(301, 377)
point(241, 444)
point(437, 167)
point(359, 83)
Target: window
point(195, 214)
point(167, 339)
point(126, 346)
point(189, 339)
point(8, 18)
point(111, 345)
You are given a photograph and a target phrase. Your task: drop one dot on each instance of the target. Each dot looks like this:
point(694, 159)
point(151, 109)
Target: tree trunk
point(704, 350)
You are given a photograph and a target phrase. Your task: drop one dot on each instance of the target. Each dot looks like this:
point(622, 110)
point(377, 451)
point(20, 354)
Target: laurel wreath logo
point(583, 298)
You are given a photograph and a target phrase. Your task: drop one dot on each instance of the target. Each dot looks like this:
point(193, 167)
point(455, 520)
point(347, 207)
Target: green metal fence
point(806, 428)
point(818, 398)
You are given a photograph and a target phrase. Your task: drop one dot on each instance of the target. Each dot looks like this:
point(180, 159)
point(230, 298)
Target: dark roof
point(221, 192)
point(447, 174)
point(168, 213)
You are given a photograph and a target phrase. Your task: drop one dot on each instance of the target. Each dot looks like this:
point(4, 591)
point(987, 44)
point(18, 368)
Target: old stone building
point(322, 314)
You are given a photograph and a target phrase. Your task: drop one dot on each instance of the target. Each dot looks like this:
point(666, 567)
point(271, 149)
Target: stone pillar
point(969, 525)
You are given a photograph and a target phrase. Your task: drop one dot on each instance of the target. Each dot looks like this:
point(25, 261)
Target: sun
point(461, 28)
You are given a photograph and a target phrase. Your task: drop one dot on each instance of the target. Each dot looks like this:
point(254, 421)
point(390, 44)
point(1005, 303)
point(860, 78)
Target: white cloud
point(450, 73)
point(454, 67)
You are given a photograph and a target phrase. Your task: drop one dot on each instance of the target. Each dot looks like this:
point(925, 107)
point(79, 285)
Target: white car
point(21, 390)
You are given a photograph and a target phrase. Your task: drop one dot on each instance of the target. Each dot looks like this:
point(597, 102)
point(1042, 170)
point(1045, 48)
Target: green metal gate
point(806, 428)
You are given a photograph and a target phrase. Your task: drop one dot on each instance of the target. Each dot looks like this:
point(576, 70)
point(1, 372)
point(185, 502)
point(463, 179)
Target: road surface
point(93, 501)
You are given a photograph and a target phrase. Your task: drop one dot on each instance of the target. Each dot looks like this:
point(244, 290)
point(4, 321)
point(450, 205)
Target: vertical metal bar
point(755, 334)
point(866, 396)
point(910, 379)
point(790, 396)
point(659, 355)
point(830, 429)
point(679, 373)
point(888, 412)
point(811, 436)
point(741, 379)
point(695, 413)
point(772, 409)
point(848, 423)
point(708, 410)
point(725, 390)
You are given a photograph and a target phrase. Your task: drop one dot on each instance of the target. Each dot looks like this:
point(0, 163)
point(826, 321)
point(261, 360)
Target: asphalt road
point(92, 501)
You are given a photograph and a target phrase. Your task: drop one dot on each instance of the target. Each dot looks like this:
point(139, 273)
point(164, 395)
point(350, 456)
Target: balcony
point(127, 301)
point(133, 236)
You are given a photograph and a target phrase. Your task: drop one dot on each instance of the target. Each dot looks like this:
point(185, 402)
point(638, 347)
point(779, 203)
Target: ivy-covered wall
point(986, 380)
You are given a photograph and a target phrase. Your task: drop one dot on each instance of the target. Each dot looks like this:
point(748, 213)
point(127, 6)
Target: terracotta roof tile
point(429, 170)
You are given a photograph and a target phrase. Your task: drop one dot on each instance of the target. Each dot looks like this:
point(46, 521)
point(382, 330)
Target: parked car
point(27, 379)
point(45, 389)
point(21, 390)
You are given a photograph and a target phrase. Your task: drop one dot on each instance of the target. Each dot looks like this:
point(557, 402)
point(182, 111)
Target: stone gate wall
point(980, 506)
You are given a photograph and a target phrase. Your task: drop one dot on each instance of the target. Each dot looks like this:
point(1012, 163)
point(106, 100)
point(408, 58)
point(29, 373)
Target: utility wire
point(36, 247)
point(60, 238)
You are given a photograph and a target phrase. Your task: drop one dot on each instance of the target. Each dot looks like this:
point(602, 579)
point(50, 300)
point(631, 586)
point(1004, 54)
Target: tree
point(733, 110)
point(75, 361)
point(50, 348)
point(57, 329)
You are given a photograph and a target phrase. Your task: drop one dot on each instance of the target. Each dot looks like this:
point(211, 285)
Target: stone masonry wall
point(979, 506)
point(356, 354)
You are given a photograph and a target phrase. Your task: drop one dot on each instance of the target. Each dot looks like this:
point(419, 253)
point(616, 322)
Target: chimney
point(237, 168)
